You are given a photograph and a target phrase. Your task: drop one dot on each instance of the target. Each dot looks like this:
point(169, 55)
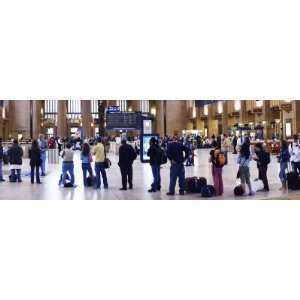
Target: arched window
point(122, 104)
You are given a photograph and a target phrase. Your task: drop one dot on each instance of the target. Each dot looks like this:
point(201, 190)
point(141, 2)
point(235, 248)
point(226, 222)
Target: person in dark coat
point(177, 153)
point(1, 161)
point(127, 155)
point(35, 161)
point(263, 159)
point(155, 154)
point(234, 144)
point(15, 154)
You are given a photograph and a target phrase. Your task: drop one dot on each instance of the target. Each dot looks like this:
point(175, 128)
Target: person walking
point(284, 159)
point(86, 160)
point(100, 155)
point(243, 160)
point(262, 157)
point(1, 161)
point(68, 164)
point(35, 161)
point(43, 148)
point(127, 155)
point(155, 154)
point(177, 153)
point(218, 160)
point(234, 144)
point(15, 154)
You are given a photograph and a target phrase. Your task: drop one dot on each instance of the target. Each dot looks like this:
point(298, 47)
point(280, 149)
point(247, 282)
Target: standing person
point(218, 160)
point(155, 154)
point(284, 158)
point(234, 144)
point(177, 154)
point(1, 161)
point(295, 155)
point(100, 155)
point(68, 164)
point(35, 161)
point(263, 159)
point(225, 146)
point(15, 154)
point(127, 155)
point(86, 160)
point(243, 160)
point(43, 147)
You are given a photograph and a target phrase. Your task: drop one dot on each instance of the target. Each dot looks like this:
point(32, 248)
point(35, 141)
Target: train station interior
point(199, 121)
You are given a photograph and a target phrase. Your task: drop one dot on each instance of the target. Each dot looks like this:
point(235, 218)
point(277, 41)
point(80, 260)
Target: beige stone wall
point(176, 116)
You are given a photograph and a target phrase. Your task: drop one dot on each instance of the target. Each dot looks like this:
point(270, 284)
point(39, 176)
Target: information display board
point(123, 120)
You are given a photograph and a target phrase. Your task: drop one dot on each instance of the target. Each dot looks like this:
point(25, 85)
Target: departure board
point(123, 120)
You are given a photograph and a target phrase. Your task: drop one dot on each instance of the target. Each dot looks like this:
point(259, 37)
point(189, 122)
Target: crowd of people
point(179, 151)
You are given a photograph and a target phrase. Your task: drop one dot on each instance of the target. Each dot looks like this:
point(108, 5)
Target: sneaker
point(123, 189)
point(263, 190)
point(181, 193)
point(151, 191)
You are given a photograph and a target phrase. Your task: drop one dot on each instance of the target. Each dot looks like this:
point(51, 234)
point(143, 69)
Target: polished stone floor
point(142, 180)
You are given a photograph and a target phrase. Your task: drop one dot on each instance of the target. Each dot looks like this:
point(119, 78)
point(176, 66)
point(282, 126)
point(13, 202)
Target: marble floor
point(142, 179)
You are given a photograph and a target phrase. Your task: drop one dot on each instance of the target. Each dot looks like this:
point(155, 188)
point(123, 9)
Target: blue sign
point(113, 109)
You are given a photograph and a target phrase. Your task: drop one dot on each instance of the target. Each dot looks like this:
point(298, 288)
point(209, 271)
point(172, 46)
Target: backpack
point(208, 191)
point(238, 190)
point(221, 159)
point(201, 183)
point(12, 178)
point(163, 157)
point(191, 184)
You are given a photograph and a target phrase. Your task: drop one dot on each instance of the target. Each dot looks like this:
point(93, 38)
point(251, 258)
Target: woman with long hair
point(35, 161)
point(243, 160)
point(284, 158)
point(86, 159)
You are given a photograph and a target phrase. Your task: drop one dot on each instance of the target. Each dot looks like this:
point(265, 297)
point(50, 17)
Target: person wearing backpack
point(1, 161)
point(243, 160)
point(35, 161)
point(86, 159)
point(155, 153)
point(284, 159)
point(127, 156)
point(99, 152)
point(263, 159)
point(218, 160)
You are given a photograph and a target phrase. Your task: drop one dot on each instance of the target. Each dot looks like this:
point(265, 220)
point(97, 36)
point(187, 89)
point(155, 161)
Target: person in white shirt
point(294, 149)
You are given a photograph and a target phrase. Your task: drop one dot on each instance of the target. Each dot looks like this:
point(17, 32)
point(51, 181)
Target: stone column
point(159, 118)
point(267, 116)
point(134, 104)
point(296, 117)
point(37, 106)
point(87, 119)
point(20, 118)
point(176, 116)
point(1, 121)
point(243, 112)
point(62, 125)
point(225, 117)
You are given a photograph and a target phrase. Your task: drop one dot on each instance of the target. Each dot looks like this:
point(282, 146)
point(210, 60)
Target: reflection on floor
point(142, 181)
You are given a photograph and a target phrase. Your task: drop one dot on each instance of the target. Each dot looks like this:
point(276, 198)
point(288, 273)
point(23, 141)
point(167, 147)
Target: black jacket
point(155, 153)
point(1, 153)
point(263, 159)
point(15, 154)
point(175, 152)
point(35, 157)
point(126, 156)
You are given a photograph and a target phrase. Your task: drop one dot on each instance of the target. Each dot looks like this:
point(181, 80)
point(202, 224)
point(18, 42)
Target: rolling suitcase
point(191, 184)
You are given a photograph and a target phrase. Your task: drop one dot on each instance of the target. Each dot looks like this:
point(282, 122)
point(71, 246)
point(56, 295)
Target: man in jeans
point(177, 153)
point(68, 165)
point(1, 161)
point(99, 152)
point(43, 147)
point(155, 154)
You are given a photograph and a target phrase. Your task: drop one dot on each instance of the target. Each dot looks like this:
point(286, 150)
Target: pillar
point(37, 106)
point(176, 116)
point(160, 118)
point(296, 117)
point(225, 118)
point(62, 125)
point(87, 119)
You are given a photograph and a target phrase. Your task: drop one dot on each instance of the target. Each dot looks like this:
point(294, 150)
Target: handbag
point(107, 162)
